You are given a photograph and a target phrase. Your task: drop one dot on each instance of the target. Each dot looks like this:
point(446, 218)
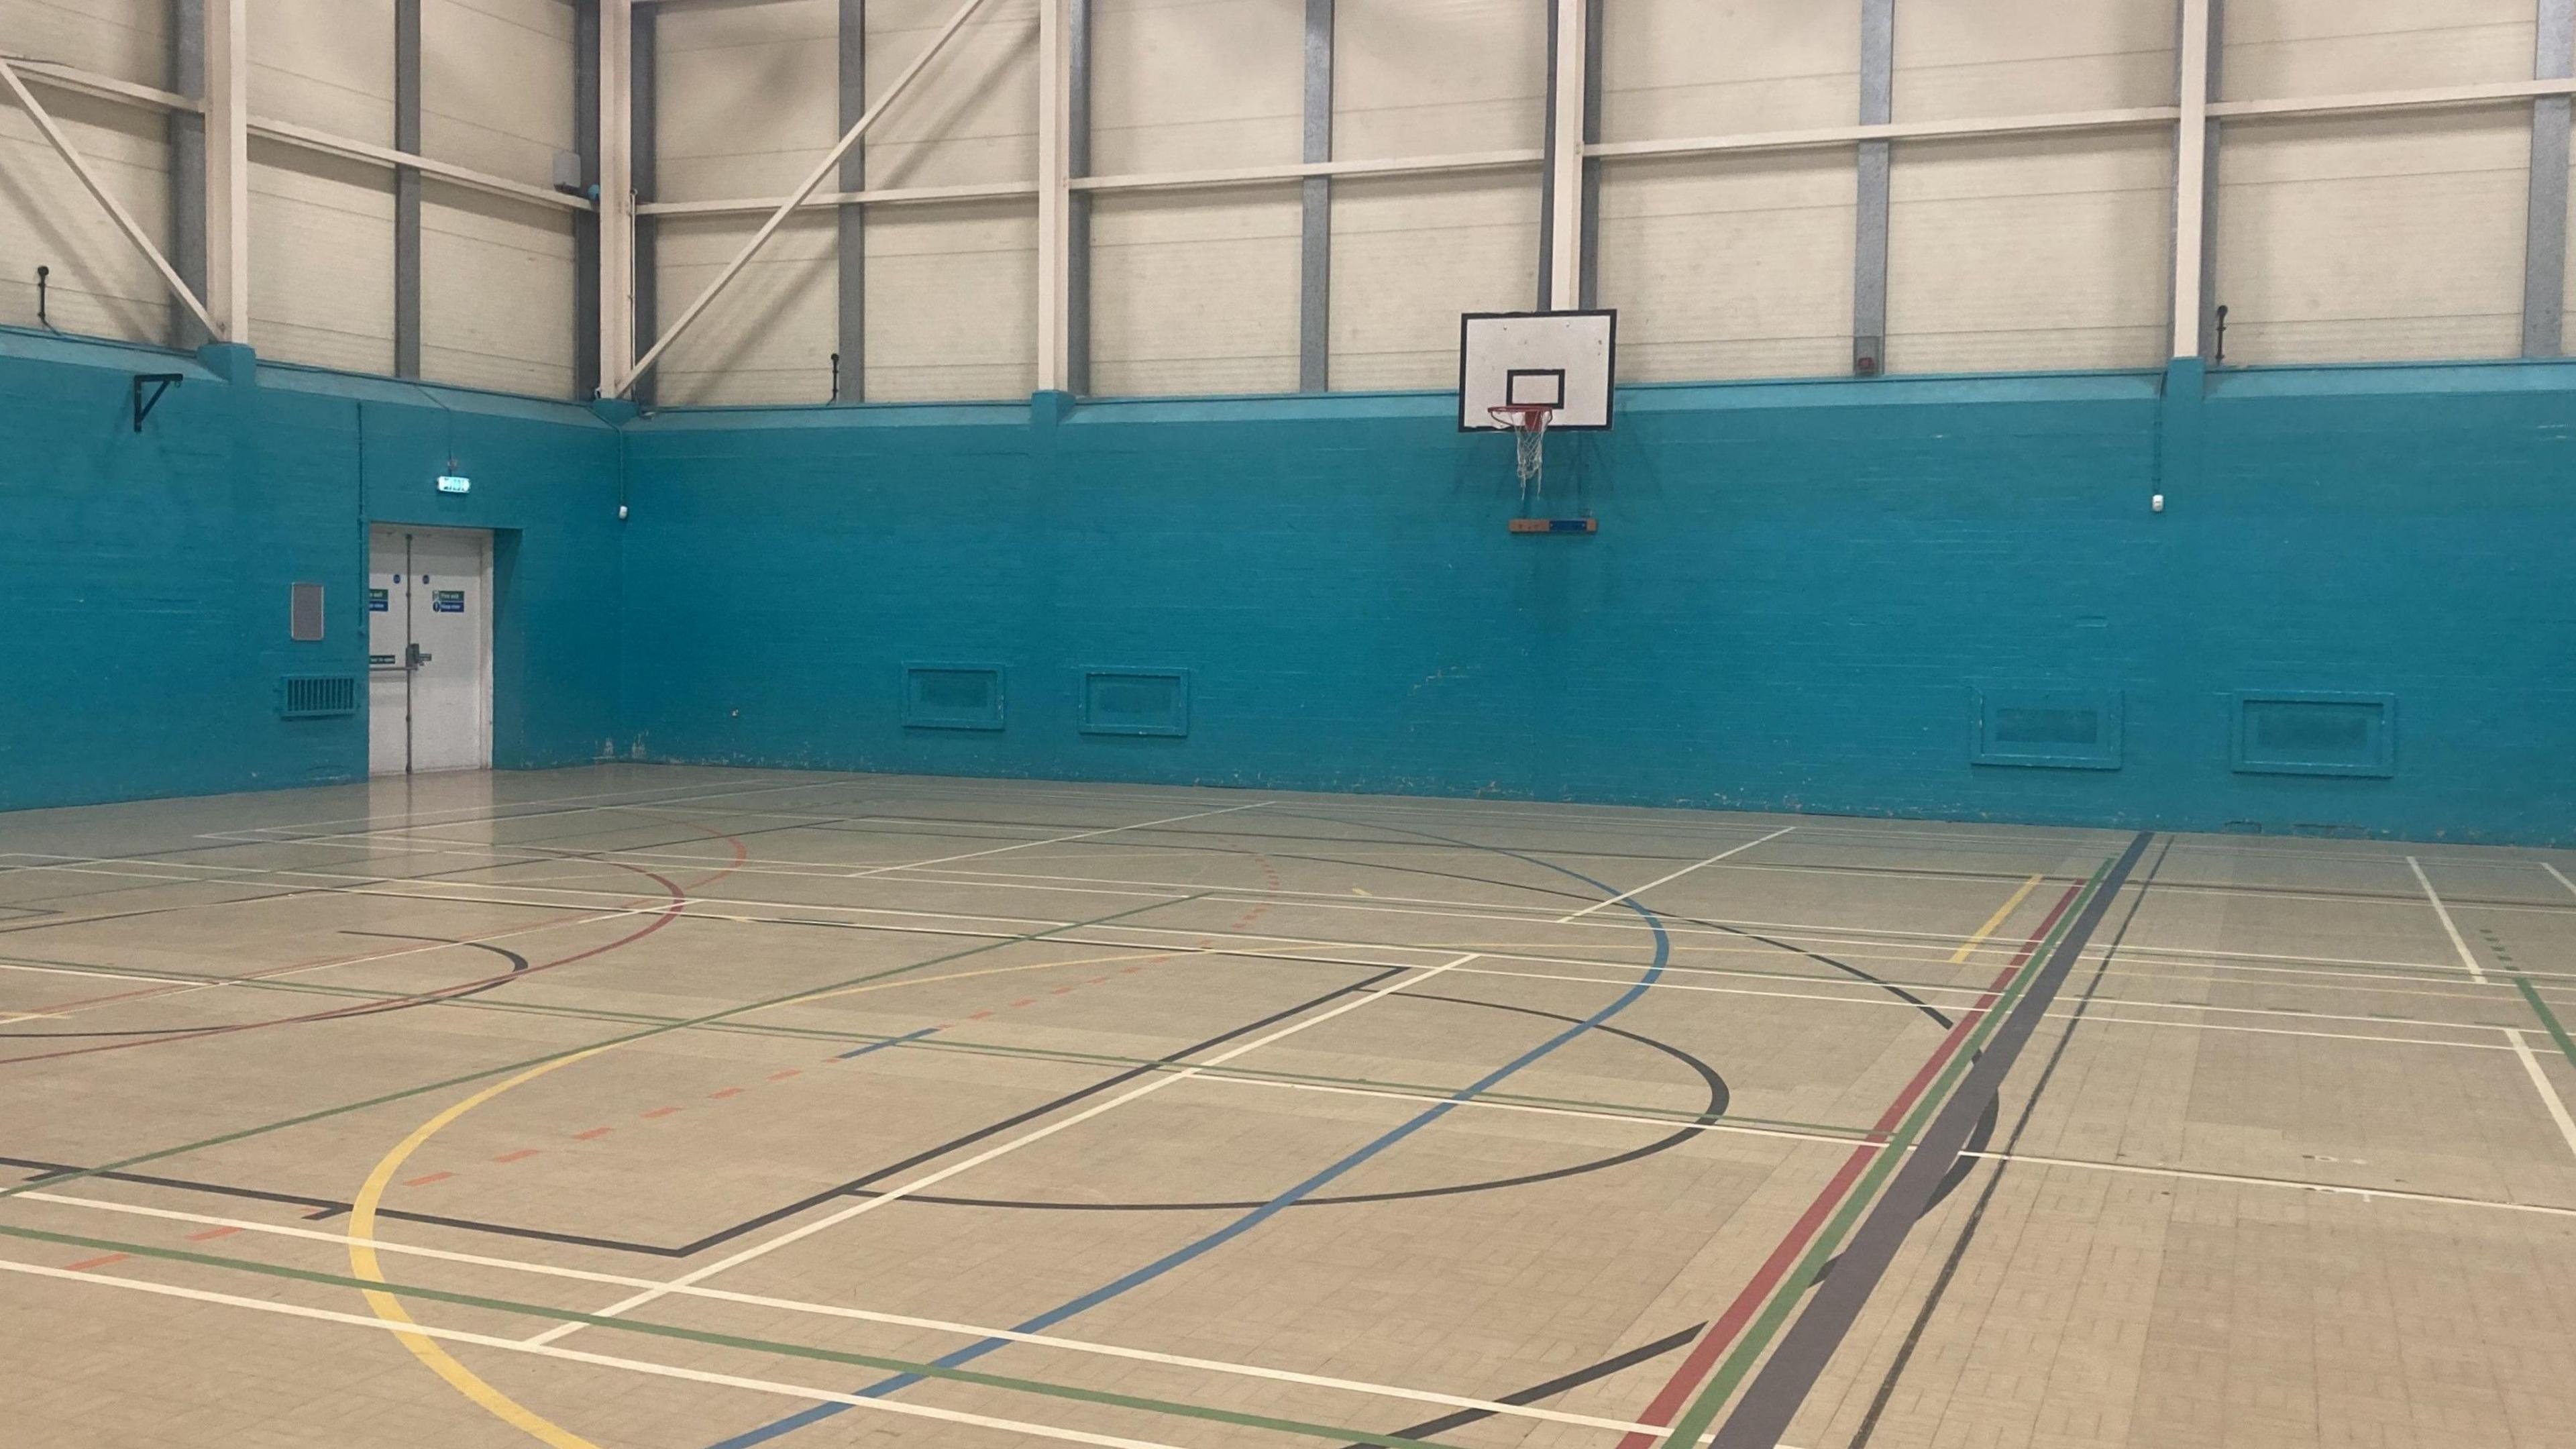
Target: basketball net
point(1528, 424)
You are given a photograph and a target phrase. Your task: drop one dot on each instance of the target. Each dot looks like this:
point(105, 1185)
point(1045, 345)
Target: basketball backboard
point(1563, 361)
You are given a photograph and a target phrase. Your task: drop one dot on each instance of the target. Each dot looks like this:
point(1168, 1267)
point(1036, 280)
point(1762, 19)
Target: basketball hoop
point(1528, 423)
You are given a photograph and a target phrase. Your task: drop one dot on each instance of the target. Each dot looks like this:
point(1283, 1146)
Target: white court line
point(900, 1320)
point(2448, 928)
point(1676, 875)
point(570, 1355)
point(1056, 840)
point(1015, 1144)
point(2562, 880)
point(2548, 1091)
point(2329, 1188)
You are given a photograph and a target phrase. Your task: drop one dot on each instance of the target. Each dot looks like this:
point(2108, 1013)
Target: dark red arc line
point(1722, 1330)
point(661, 918)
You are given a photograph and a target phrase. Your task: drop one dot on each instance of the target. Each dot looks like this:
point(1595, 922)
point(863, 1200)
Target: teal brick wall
point(144, 576)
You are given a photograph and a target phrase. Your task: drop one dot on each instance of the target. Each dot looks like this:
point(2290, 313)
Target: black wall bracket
point(162, 382)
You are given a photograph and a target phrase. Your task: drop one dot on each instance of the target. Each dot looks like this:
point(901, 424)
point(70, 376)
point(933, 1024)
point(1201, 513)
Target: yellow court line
point(1969, 947)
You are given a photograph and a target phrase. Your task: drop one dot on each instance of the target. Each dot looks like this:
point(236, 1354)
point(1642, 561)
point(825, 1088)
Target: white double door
point(429, 649)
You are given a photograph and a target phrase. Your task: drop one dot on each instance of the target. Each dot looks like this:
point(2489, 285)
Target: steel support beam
point(616, 342)
point(1077, 203)
point(1315, 234)
point(407, 189)
point(1589, 288)
point(186, 132)
point(2544, 267)
point(585, 225)
point(1055, 199)
point(1869, 232)
point(1560, 244)
point(2191, 177)
point(227, 309)
point(644, 181)
point(1050, 20)
point(851, 250)
point(2212, 143)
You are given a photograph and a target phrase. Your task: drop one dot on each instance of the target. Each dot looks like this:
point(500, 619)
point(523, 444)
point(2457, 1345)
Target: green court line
point(476, 1076)
point(727, 1340)
point(1695, 1420)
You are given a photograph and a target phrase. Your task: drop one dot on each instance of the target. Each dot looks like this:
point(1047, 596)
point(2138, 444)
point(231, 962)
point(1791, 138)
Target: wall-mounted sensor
point(621, 513)
point(2157, 503)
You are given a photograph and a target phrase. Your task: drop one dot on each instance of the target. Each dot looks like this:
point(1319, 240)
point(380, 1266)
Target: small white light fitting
point(621, 512)
point(453, 483)
point(2157, 503)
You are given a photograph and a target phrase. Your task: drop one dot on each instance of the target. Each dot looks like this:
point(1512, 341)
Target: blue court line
point(892, 1041)
point(1263, 1213)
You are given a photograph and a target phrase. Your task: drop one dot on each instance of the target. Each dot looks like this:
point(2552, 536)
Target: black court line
point(1763, 1414)
point(1977, 1214)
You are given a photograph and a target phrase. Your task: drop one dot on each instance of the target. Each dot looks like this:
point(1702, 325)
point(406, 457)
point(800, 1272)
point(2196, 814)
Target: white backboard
point(1562, 359)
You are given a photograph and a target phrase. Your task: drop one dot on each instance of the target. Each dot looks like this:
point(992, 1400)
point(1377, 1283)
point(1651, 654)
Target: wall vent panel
point(2050, 729)
point(1136, 702)
point(2313, 732)
point(317, 696)
point(952, 696)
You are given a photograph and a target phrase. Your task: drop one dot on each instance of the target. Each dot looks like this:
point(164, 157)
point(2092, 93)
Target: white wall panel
point(952, 301)
point(2356, 239)
point(1195, 293)
point(496, 292)
point(2032, 57)
point(1417, 79)
point(496, 85)
point(101, 286)
point(1181, 85)
point(973, 115)
point(770, 337)
point(1676, 68)
point(749, 97)
point(325, 63)
point(1736, 266)
point(2277, 48)
point(2029, 252)
point(128, 39)
point(1410, 254)
point(321, 259)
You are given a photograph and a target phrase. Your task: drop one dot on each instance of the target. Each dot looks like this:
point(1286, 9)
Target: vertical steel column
point(187, 137)
point(1560, 207)
point(644, 166)
point(617, 239)
point(1077, 204)
point(2544, 264)
point(585, 224)
point(407, 189)
point(1591, 284)
point(1869, 229)
point(2210, 146)
point(1055, 120)
point(1315, 234)
point(2191, 177)
point(227, 153)
point(852, 249)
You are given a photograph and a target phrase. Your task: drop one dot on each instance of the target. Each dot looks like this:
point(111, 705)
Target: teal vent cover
point(2315, 732)
point(2047, 728)
point(1136, 702)
point(317, 696)
point(952, 696)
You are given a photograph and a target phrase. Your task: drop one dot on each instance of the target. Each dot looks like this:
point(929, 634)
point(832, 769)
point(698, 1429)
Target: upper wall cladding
point(751, 99)
point(97, 283)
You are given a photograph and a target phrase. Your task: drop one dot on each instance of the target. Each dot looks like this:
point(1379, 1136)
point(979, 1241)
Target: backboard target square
point(1559, 360)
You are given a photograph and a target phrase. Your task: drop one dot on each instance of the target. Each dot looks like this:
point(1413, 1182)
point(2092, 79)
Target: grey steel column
point(1077, 212)
point(1547, 175)
point(1588, 289)
point(1315, 235)
point(645, 152)
point(407, 189)
point(2211, 149)
point(2544, 266)
point(585, 224)
point(187, 135)
point(853, 244)
point(1869, 235)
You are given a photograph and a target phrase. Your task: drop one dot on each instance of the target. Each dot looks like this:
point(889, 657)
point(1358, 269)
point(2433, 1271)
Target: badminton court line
point(1055, 840)
point(897, 1194)
point(2562, 879)
point(2448, 928)
point(1676, 875)
point(2549, 1097)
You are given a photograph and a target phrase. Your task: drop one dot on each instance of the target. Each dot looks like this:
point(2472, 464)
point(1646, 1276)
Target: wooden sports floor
point(699, 1108)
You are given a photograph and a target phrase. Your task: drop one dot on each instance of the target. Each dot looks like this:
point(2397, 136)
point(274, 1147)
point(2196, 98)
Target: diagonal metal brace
point(162, 382)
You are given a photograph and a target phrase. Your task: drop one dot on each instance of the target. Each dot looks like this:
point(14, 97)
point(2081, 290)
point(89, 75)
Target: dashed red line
point(427, 1180)
point(212, 1233)
point(522, 1155)
point(85, 1264)
point(593, 1135)
point(660, 1112)
point(727, 1092)
point(790, 1072)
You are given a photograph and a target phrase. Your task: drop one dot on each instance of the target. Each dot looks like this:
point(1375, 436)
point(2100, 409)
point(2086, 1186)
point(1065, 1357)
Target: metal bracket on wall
point(161, 382)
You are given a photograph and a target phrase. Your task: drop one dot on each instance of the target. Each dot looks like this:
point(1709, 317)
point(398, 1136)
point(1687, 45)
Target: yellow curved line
point(362, 1262)
point(362, 1218)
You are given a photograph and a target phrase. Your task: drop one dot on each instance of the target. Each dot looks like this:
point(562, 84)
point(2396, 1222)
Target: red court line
point(593, 1135)
point(85, 1264)
point(426, 1180)
point(212, 1233)
point(783, 1076)
point(1722, 1331)
point(660, 1112)
point(522, 1155)
point(727, 1092)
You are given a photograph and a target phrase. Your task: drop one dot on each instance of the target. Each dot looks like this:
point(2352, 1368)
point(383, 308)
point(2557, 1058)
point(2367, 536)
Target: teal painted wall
point(1796, 593)
point(1795, 590)
point(144, 576)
